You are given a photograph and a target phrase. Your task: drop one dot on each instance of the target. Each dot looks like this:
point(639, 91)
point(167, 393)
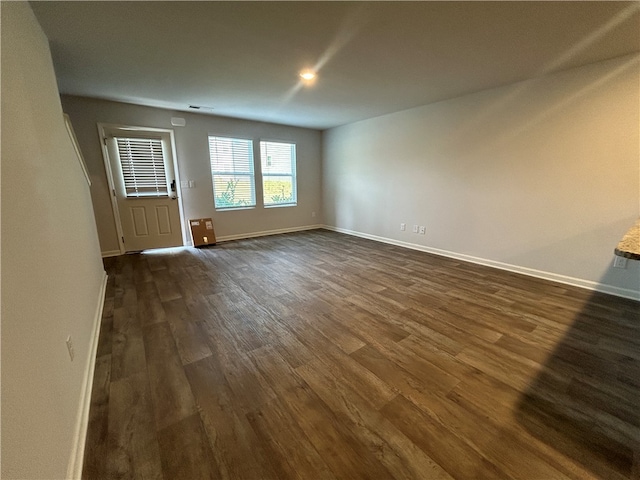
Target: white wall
point(52, 274)
point(193, 164)
point(540, 175)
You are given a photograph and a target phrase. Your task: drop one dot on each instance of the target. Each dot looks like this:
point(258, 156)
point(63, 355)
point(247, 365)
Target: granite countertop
point(629, 246)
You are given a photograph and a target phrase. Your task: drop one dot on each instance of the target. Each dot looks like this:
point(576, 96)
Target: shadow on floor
point(585, 401)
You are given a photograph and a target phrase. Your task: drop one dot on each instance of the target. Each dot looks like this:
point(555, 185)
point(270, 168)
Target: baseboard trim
point(228, 238)
point(239, 236)
point(554, 277)
point(74, 469)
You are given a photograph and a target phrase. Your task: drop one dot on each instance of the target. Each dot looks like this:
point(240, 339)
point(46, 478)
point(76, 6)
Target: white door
point(144, 187)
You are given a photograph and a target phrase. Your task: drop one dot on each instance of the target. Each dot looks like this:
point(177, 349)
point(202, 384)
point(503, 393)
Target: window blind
point(232, 172)
point(143, 169)
point(278, 160)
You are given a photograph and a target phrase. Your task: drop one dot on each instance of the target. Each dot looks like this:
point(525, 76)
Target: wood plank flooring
point(317, 355)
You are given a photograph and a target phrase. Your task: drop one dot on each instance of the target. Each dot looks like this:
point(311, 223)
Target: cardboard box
point(202, 232)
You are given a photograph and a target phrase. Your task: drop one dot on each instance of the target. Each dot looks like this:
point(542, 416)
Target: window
point(278, 173)
point(232, 172)
point(143, 169)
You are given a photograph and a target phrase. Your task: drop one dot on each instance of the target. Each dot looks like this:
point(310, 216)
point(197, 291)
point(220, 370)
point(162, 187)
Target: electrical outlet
point(313, 214)
point(620, 262)
point(403, 226)
point(70, 347)
point(415, 229)
point(423, 230)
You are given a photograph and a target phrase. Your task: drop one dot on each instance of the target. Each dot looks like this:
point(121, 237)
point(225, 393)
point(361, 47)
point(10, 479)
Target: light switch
point(192, 183)
point(184, 184)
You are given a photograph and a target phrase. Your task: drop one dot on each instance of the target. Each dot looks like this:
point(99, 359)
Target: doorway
point(142, 175)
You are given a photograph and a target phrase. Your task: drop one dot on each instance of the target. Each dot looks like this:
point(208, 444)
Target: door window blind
point(143, 169)
point(232, 172)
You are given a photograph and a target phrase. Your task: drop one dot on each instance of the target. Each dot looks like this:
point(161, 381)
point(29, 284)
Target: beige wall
point(193, 164)
point(52, 274)
point(540, 176)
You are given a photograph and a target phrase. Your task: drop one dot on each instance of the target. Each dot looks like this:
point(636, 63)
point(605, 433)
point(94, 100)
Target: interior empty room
point(337, 240)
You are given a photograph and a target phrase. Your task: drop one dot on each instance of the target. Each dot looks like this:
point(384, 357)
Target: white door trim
point(102, 128)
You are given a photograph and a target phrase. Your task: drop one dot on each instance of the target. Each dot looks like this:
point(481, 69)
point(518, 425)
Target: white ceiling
point(242, 58)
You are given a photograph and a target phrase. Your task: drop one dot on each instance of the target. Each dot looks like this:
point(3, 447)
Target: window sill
point(234, 209)
point(282, 205)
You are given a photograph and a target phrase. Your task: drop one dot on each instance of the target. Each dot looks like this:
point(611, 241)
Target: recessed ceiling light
point(307, 75)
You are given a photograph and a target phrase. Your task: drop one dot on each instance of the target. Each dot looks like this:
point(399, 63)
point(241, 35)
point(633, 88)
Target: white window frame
point(251, 175)
point(293, 174)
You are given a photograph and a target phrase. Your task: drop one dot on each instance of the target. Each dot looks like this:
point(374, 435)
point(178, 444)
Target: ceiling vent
point(200, 107)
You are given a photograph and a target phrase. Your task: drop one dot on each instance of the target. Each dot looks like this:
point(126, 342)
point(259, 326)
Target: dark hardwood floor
point(319, 355)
